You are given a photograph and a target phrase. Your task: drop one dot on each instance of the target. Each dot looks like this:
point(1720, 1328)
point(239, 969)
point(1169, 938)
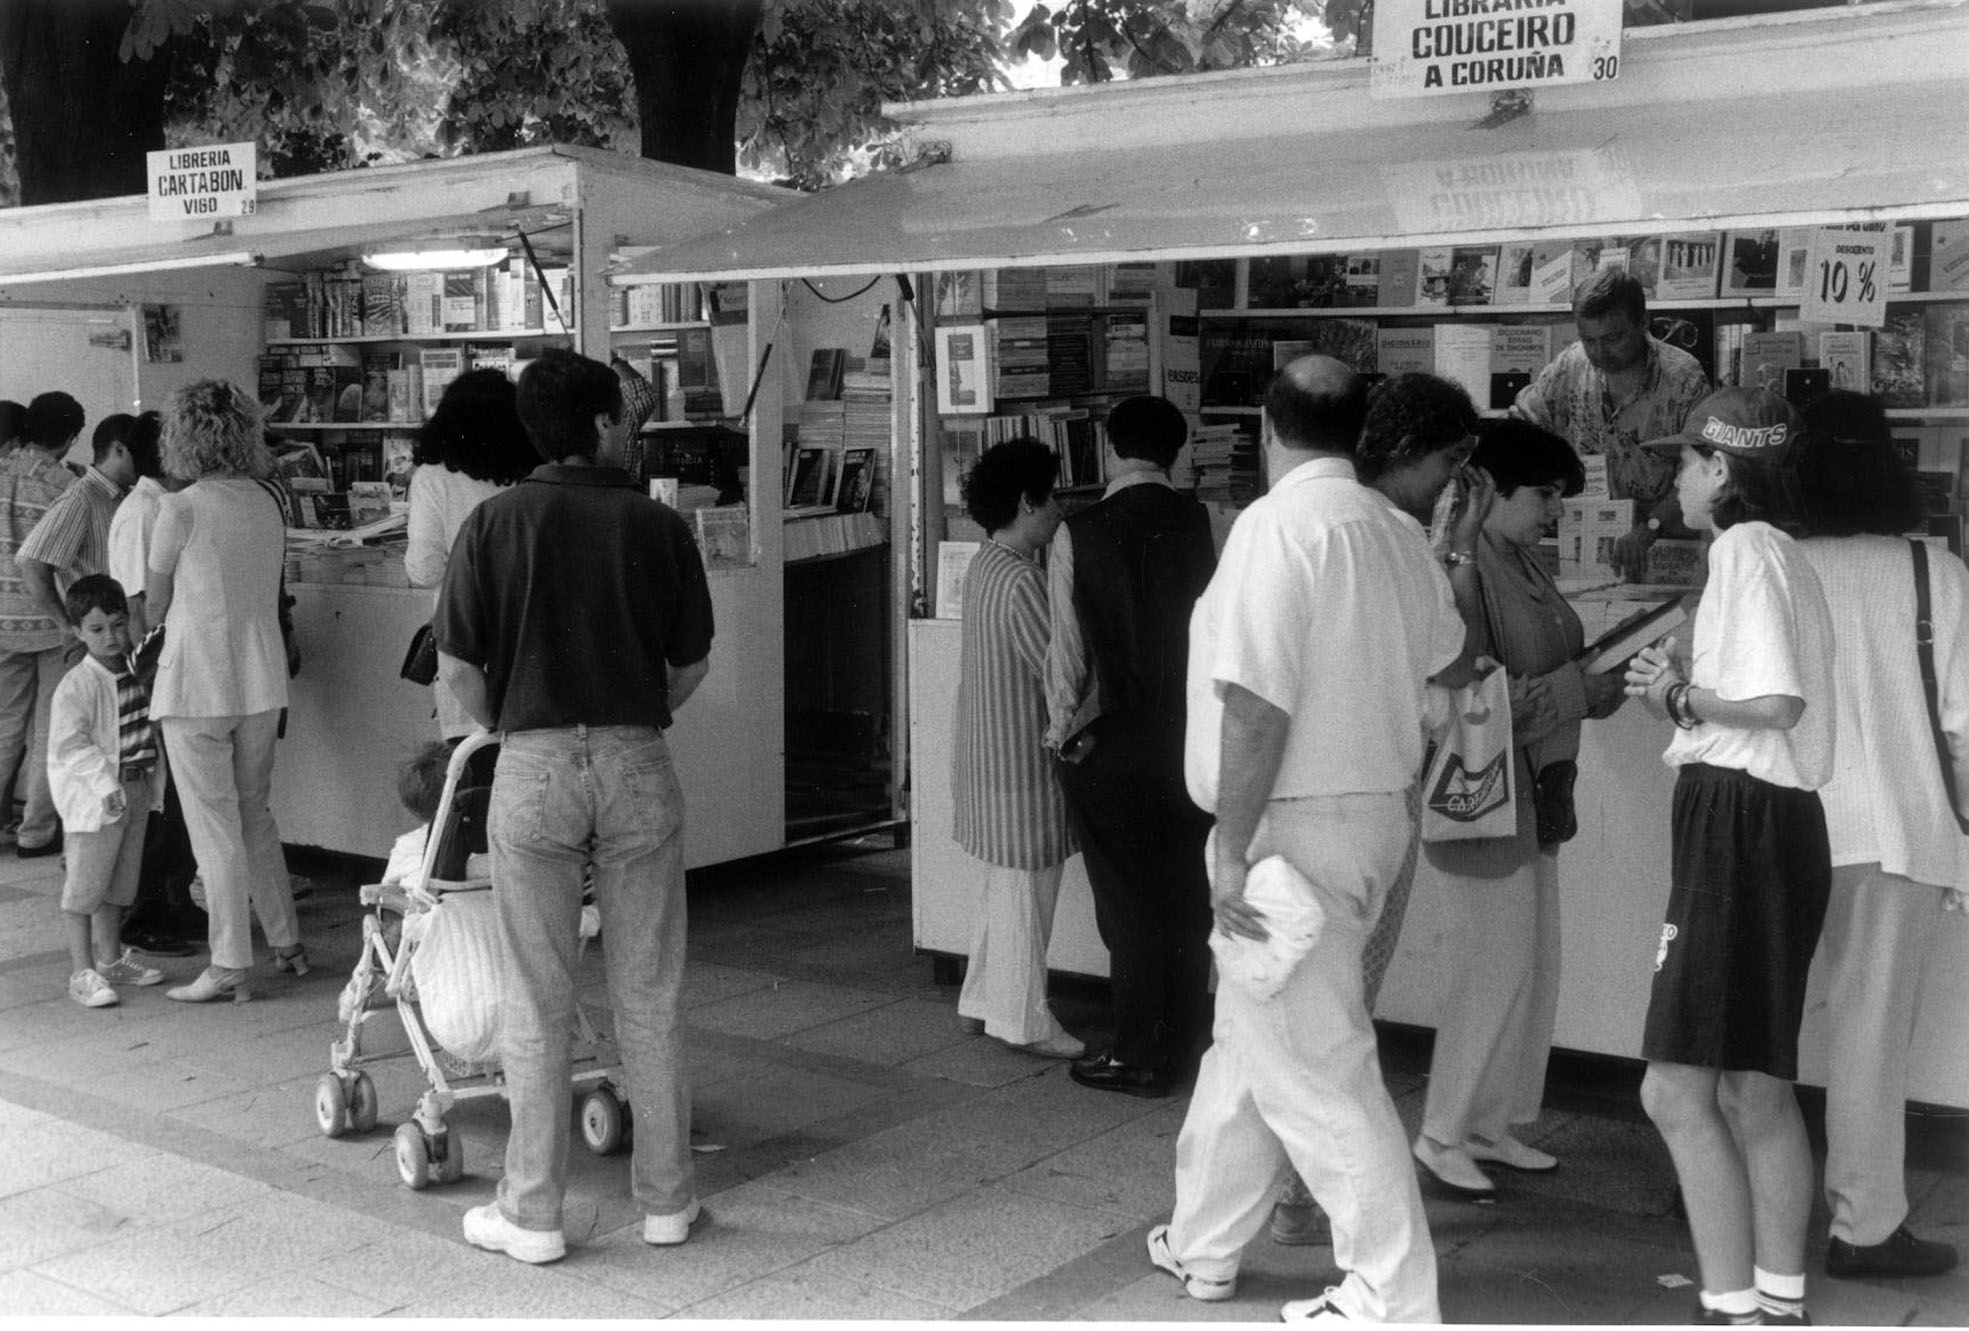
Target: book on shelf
point(724, 535)
point(1513, 274)
point(1948, 255)
point(399, 452)
point(959, 294)
point(953, 565)
point(439, 366)
point(1405, 351)
point(1432, 275)
point(810, 478)
point(1213, 280)
point(1847, 359)
point(377, 367)
point(423, 303)
point(824, 373)
point(498, 356)
point(1400, 278)
point(1750, 262)
point(1520, 347)
point(459, 308)
point(1688, 265)
point(1899, 360)
point(1175, 346)
point(1551, 272)
point(1613, 649)
point(1462, 356)
point(1472, 274)
point(1585, 257)
point(284, 312)
point(1947, 353)
point(1363, 278)
point(1766, 356)
point(1075, 285)
point(855, 486)
point(382, 305)
point(1900, 258)
point(369, 501)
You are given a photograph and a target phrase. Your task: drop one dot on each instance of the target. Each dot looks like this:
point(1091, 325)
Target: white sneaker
point(126, 969)
point(487, 1227)
point(1201, 1289)
point(667, 1231)
point(91, 990)
point(1321, 1309)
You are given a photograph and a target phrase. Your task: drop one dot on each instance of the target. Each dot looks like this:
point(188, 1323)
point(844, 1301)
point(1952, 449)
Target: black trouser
point(164, 906)
point(1143, 839)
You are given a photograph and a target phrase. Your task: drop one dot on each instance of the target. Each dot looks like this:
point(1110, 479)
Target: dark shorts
point(1752, 871)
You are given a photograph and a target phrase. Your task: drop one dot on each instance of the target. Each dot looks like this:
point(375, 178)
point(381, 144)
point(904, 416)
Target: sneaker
point(126, 969)
point(1512, 1154)
point(91, 990)
point(1200, 1288)
point(1898, 1256)
point(1321, 1309)
point(667, 1231)
point(1300, 1225)
point(487, 1227)
point(1454, 1171)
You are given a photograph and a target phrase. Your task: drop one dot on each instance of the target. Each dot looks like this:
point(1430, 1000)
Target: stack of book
point(1021, 357)
point(1212, 450)
point(832, 534)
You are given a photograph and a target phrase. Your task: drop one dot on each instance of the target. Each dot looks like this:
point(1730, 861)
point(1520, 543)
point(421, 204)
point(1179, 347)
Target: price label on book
point(1846, 278)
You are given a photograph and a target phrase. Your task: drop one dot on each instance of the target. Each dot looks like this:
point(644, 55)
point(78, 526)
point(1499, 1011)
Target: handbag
point(420, 661)
point(1468, 788)
point(1924, 647)
point(1553, 815)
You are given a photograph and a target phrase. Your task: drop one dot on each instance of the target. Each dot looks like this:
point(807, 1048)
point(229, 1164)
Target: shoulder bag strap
point(1924, 646)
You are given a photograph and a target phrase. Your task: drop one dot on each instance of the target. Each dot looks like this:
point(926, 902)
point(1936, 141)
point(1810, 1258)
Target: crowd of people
point(1193, 722)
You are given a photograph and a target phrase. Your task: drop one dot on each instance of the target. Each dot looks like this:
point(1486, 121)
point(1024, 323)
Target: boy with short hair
point(105, 774)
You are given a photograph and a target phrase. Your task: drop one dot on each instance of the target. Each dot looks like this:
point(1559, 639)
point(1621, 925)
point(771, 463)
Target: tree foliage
point(1098, 40)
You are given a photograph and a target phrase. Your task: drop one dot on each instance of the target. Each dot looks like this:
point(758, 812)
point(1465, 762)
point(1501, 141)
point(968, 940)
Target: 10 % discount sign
point(1846, 277)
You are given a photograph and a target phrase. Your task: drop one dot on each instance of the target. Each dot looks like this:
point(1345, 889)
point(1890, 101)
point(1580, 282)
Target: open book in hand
point(1613, 649)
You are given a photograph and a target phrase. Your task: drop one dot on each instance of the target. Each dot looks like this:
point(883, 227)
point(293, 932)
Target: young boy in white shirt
point(105, 774)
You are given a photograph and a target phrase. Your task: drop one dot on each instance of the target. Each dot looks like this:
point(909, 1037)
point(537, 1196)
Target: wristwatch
point(1458, 557)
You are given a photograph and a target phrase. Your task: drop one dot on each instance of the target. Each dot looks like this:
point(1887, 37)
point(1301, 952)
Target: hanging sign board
point(1846, 277)
point(1513, 191)
point(1426, 47)
point(217, 180)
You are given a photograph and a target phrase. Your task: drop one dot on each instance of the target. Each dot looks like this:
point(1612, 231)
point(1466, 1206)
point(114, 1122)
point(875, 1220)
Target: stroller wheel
point(602, 1120)
point(413, 1157)
point(450, 1150)
point(362, 1103)
point(331, 1105)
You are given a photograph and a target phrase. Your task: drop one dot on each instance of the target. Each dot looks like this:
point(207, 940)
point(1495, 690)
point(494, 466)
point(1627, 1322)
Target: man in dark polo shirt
point(574, 619)
point(1124, 576)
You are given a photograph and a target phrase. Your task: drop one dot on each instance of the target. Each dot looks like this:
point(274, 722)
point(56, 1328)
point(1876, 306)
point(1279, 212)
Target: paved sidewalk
point(860, 1155)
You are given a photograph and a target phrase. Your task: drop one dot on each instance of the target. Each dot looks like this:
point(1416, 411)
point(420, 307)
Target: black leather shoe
point(159, 945)
point(1102, 1073)
point(26, 852)
point(1898, 1256)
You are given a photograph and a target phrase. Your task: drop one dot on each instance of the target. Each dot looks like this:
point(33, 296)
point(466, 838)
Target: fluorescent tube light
point(232, 259)
point(394, 261)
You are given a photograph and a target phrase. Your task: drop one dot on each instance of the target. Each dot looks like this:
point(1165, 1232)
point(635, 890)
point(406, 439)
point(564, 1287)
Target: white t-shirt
point(1762, 628)
point(1328, 605)
point(129, 534)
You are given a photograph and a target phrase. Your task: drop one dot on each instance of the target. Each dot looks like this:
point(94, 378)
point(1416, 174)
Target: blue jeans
point(562, 800)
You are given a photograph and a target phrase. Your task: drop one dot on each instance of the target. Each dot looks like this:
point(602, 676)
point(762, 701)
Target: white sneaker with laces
point(1200, 1288)
point(126, 969)
point(91, 990)
point(1321, 1309)
point(487, 1227)
point(667, 1231)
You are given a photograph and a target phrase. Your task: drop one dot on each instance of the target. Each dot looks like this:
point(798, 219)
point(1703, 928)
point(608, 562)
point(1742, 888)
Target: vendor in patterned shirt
point(1609, 391)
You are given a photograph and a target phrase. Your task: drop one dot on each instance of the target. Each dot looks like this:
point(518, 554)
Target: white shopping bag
point(1293, 920)
point(1468, 791)
point(457, 966)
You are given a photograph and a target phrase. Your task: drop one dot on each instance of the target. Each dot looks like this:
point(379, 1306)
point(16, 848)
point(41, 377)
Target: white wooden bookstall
point(75, 281)
point(1702, 135)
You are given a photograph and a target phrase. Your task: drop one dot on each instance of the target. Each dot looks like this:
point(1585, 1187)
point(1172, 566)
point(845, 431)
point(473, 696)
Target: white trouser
point(1005, 979)
point(224, 769)
point(1488, 1070)
point(1294, 1082)
point(1878, 929)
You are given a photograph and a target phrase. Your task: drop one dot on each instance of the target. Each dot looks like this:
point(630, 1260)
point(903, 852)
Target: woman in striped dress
point(1010, 815)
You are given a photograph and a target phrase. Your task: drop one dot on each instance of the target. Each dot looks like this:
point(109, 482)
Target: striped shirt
point(1010, 811)
point(73, 535)
point(31, 480)
point(136, 740)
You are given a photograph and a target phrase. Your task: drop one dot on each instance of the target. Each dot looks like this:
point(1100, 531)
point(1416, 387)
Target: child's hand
point(1651, 674)
point(115, 805)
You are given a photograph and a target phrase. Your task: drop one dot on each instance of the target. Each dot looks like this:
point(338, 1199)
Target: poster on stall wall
point(1424, 48)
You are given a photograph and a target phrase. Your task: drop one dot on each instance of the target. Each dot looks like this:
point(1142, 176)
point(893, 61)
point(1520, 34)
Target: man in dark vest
point(1124, 575)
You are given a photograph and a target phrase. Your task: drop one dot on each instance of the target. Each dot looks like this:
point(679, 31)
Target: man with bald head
point(1309, 655)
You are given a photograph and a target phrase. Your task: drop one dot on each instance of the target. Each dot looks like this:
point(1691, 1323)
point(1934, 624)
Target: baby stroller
point(449, 1011)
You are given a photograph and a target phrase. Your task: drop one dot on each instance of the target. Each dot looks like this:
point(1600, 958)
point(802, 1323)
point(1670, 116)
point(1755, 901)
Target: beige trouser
point(224, 769)
point(1294, 1082)
point(1878, 930)
point(1005, 979)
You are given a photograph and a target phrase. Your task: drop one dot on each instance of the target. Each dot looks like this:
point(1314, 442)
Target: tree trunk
point(83, 119)
point(688, 58)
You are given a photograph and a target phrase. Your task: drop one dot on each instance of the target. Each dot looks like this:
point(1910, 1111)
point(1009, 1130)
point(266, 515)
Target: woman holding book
point(1501, 999)
point(471, 448)
point(1011, 815)
point(214, 584)
point(1894, 812)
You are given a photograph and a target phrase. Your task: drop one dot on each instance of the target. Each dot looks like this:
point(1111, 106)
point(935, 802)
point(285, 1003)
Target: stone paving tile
point(800, 1295)
point(972, 1248)
point(29, 1294)
point(770, 1103)
point(748, 1232)
point(278, 1232)
point(159, 1190)
point(164, 1087)
point(42, 1223)
point(708, 982)
point(297, 1297)
point(1130, 1168)
point(893, 1034)
point(502, 1287)
point(51, 1152)
point(783, 1008)
point(398, 1267)
point(980, 1061)
point(151, 1273)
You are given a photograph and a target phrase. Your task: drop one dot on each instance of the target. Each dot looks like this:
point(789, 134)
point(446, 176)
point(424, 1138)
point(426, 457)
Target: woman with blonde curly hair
point(214, 583)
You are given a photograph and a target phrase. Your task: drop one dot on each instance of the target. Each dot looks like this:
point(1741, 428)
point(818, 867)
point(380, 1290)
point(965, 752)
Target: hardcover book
point(1551, 272)
point(1948, 355)
point(1433, 274)
point(824, 374)
point(1403, 350)
point(1688, 266)
point(1766, 356)
point(1750, 263)
point(1472, 275)
point(1513, 274)
point(1948, 255)
point(1400, 275)
point(1899, 355)
point(1615, 648)
point(1846, 358)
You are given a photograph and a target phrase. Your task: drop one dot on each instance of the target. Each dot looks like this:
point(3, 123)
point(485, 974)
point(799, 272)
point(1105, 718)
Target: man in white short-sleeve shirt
point(1310, 656)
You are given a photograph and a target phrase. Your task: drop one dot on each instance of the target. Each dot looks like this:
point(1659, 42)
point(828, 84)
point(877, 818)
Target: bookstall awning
point(251, 246)
point(1747, 146)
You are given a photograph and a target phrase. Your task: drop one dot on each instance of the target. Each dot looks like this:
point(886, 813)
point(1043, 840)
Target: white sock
point(1780, 1296)
point(1739, 1305)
